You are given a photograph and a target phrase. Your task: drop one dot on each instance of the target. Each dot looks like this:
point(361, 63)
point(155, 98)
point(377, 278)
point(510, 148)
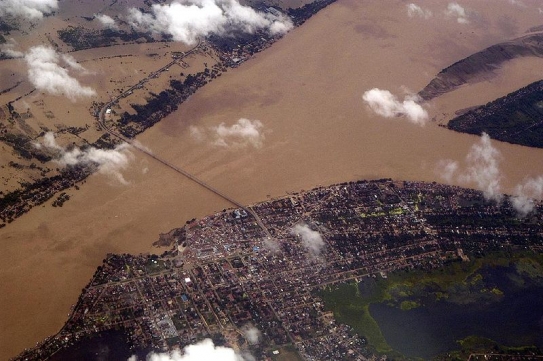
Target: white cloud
point(50, 142)
point(196, 133)
point(45, 73)
point(243, 133)
point(109, 162)
point(482, 169)
point(455, 10)
point(251, 334)
point(385, 104)
point(525, 194)
point(189, 20)
point(311, 240)
point(202, 351)
point(72, 63)
point(414, 10)
point(31, 9)
point(8, 49)
point(271, 245)
point(106, 21)
point(447, 169)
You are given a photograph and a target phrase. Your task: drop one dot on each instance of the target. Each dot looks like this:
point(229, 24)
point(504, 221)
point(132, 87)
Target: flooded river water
point(306, 91)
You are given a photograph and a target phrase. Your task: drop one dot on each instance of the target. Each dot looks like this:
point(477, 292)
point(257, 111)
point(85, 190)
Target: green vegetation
point(531, 267)
point(476, 344)
point(408, 305)
point(80, 38)
point(287, 353)
point(515, 118)
point(458, 282)
point(59, 202)
point(374, 214)
point(351, 308)
point(154, 265)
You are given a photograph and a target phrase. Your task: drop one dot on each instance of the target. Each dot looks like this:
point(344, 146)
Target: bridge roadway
point(102, 124)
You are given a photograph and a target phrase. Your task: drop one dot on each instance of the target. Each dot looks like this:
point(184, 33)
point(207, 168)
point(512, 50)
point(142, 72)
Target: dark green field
point(459, 284)
point(516, 118)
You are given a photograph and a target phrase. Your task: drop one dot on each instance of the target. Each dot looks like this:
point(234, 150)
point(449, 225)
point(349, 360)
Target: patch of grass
point(409, 305)
point(476, 344)
point(529, 267)
point(351, 309)
point(287, 353)
point(459, 282)
point(515, 118)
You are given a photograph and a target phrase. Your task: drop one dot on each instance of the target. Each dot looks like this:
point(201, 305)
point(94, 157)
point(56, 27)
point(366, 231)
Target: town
point(227, 273)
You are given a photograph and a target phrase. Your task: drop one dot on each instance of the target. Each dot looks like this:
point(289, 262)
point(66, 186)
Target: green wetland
point(491, 304)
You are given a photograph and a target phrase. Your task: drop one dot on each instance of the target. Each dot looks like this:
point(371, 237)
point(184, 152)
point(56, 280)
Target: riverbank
point(423, 314)
point(306, 91)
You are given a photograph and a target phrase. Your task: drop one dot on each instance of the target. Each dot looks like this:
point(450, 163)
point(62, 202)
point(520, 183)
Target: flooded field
point(306, 91)
point(438, 326)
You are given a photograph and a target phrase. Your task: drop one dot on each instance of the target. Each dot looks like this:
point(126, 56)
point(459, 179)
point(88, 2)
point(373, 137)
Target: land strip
point(220, 274)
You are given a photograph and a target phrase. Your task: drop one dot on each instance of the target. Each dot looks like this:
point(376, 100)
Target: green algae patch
point(352, 309)
point(460, 283)
point(409, 305)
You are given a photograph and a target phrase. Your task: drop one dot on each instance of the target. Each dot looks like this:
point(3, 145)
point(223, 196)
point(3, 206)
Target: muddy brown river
point(306, 90)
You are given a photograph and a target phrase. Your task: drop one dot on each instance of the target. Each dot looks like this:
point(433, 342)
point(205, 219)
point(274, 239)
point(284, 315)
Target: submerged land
point(316, 131)
point(225, 272)
point(130, 110)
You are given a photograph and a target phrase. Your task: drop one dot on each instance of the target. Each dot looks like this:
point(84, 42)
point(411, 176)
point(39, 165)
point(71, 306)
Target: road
point(139, 147)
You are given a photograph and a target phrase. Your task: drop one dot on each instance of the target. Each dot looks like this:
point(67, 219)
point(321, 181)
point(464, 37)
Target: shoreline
point(319, 132)
point(417, 235)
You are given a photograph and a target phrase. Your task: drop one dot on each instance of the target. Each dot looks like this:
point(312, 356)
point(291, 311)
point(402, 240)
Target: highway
point(101, 122)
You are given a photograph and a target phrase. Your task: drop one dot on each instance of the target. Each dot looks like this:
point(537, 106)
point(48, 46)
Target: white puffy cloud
point(202, 351)
point(525, 194)
point(414, 10)
point(243, 133)
point(8, 49)
point(447, 169)
point(251, 334)
point(455, 10)
point(72, 63)
point(46, 73)
point(50, 142)
point(189, 20)
point(109, 162)
point(481, 169)
point(31, 9)
point(106, 21)
point(271, 245)
point(385, 104)
point(196, 133)
point(311, 240)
